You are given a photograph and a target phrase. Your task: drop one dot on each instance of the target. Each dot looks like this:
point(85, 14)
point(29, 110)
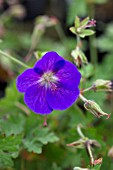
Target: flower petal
point(58, 65)
point(69, 76)
point(47, 62)
point(35, 99)
point(61, 98)
point(26, 79)
point(38, 71)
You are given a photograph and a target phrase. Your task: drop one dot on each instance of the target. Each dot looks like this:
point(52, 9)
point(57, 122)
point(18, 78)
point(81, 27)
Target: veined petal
point(26, 79)
point(35, 99)
point(58, 65)
point(60, 98)
point(69, 76)
point(47, 62)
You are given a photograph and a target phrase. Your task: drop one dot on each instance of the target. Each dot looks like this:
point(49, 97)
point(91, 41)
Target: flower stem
point(78, 41)
point(79, 131)
point(45, 121)
point(93, 49)
point(82, 98)
point(87, 89)
point(13, 59)
point(88, 147)
point(61, 34)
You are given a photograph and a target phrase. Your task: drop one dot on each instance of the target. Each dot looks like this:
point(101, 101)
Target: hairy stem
point(13, 59)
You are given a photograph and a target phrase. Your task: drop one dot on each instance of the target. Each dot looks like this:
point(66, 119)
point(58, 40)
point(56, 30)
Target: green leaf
point(96, 167)
point(10, 143)
point(77, 22)
point(84, 22)
point(37, 138)
point(9, 148)
point(72, 29)
point(5, 160)
point(33, 146)
point(12, 124)
point(85, 33)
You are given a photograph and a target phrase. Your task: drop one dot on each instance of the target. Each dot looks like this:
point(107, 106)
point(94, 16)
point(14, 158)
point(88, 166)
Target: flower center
point(48, 78)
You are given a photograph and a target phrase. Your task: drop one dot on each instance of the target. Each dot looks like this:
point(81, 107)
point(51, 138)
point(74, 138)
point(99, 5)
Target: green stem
point(88, 146)
point(93, 49)
point(79, 131)
point(13, 59)
point(82, 98)
point(60, 33)
point(88, 89)
point(78, 41)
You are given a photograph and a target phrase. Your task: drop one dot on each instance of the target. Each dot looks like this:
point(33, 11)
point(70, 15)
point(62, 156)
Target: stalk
point(13, 59)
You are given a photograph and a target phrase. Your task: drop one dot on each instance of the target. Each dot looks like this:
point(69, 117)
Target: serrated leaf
point(37, 138)
point(12, 124)
point(5, 160)
point(10, 143)
point(48, 138)
point(32, 146)
point(85, 33)
point(9, 148)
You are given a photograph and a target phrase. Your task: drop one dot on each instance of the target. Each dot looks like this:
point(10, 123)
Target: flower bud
point(79, 57)
point(98, 161)
point(80, 27)
point(17, 11)
point(79, 143)
point(110, 153)
point(102, 85)
point(94, 143)
point(95, 109)
point(91, 23)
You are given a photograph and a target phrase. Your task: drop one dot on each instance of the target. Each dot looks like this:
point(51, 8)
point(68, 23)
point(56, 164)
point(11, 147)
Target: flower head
point(51, 84)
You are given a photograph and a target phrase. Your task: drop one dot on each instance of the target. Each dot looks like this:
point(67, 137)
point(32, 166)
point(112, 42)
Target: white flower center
point(48, 78)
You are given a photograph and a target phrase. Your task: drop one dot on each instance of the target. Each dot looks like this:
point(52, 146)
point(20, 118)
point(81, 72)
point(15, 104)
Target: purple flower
point(51, 84)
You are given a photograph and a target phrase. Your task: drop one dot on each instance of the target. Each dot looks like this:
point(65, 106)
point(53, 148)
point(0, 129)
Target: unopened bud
point(79, 57)
point(91, 23)
point(17, 11)
point(110, 153)
point(95, 109)
point(94, 143)
point(98, 161)
point(102, 85)
point(46, 21)
point(78, 144)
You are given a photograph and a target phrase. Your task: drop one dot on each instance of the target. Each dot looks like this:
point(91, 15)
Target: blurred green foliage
point(24, 142)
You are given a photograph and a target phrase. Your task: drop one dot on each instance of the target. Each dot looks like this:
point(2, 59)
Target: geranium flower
point(51, 85)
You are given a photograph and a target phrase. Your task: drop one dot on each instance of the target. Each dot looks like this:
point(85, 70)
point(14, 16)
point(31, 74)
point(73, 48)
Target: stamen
point(48, 78)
